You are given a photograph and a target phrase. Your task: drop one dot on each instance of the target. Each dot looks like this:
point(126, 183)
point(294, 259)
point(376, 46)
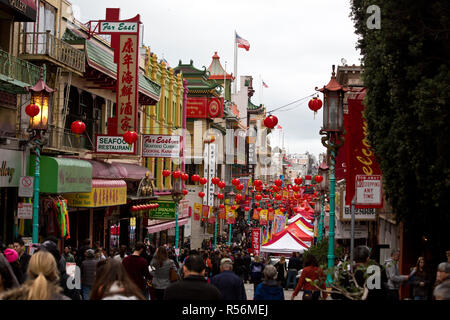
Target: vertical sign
point(256, 236)
point(205, 174)
point(127, 84)
point(212, 173)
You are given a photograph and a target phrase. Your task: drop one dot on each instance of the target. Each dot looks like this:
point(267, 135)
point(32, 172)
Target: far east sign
point(368, 191)
point(160, 146)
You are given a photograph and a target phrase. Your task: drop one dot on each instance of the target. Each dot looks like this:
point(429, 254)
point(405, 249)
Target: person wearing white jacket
point(395, 279)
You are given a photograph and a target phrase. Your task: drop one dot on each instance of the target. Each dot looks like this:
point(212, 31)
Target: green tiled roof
point(254, 107)
point(102, 59)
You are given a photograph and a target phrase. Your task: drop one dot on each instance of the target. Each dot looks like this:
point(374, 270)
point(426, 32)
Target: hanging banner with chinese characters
point(263, 217)
point(205, 211)
point(256, 241)
point(197, 211)
point(255, 215)
point(230, 215)
point(222, 213)
point(211, 216)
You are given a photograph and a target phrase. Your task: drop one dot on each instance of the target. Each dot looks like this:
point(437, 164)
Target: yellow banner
point(98, 197)
point(278, 212)
point(230, 212)
point(198, 208)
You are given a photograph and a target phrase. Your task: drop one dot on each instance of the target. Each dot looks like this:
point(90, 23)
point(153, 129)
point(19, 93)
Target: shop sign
point(204, 107)
point(118, 27)
point(344, 212)
point(113, 144)
point(161, 146)
point(25, 211)
point(98, 197)
point(10, 162)
point(165, 211)
point(343, 230)
point(256, 245)
point(368, 191)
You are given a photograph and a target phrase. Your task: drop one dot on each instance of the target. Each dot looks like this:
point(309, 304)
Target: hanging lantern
point(315, 104)
point(282, 209)
point(185, 192)
point(78, 127)
point(221, 184)
point(246, 209)
point(259, 209)
point(32, 110)
point(278, 182)
point(278, 197)
point(233, 207)
point(222, 206)
point(176, 174)
point(271, 121)
point(318, 179)
point(203, 180)
point(215, 180)
point(220, 196)
point(298, 181)
point(258, 197)
point(195, 177)
point(236, 182)
point(257, 183)
point(130, 137)
point(240, 187)
point(238, 197)
point(201, 194)
point(166, 173)
point(184, 177)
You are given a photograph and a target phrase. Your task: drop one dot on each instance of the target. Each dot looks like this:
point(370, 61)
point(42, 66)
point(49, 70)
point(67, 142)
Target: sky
point(293, 44)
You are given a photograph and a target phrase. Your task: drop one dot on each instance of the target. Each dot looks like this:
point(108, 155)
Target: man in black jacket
point(294, 266)
point(229, 284)
point(194, 285)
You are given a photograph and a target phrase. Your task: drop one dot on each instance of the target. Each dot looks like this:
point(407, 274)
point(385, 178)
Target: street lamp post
point(322, 169)
point(177, 195)
point(231, 197)
point(40, 97)
point(333, 115)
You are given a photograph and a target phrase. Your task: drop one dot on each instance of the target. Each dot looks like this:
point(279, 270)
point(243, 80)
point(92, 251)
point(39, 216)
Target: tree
point(407, 76)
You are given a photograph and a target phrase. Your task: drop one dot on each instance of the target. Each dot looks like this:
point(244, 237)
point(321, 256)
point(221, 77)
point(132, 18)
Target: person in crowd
point(42, 280)
point(99, 251)
point(443, 273)
point(88, 271)
point(282, 271)
point(229, 284)
point(256, 269)
point(121, 254)
point(161, 275)
point(442, 291)
point(420, 280)
point(215, 260)
point(113, 283)
point(395, 279)
point(362, 262)
point(137, 268)
point(208, 265)
point(238, 266)
point(68, 256)
point(82, 250)
point(13, 258)
point(7, 278)
point(313, 272)
point(270, 288)
point(24, 258)
point(247, 262)
point(194, 285)
point(293, 269)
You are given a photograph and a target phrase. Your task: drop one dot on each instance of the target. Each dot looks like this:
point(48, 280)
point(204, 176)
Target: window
point(46, 21)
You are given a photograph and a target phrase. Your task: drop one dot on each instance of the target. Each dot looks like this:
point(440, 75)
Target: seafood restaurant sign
point(161, 146)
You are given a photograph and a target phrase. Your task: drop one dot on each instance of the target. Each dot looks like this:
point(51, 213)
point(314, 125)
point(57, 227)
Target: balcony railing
point(18, 71)
point(64, 139)
point(44, 43)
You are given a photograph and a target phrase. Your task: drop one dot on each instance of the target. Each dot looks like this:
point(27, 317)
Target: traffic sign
point(26, 185)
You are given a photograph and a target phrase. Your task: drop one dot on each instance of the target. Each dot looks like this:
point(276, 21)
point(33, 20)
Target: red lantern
point(278, 197)
point(258, 209)
point(271, 121)
point(222, 206)
point(203, 180)
point(156, 205)
point(78, 127)
point(315, 104)
point(257, 183)
point(236, 182)
point(130, 137)
point(318, 179)
point(215, 180)
point(282, 210)
point(184, 176)
point(278, 182)
point(221, 184)
point(32, 110)
point(240, 187)
point(270, 209)
point(247, 209)
point(297, 196)
point(258, 197)
point(220, 196)
point(166, 173)
point(176, 174)
point(185, 192)
point(296, 188)
point(195, 177)
point(201, 194)
point(238, 197)
point(233, 207)
point(298, 181)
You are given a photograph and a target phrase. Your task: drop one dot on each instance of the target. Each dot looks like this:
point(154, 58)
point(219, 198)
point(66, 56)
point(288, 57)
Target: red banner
point(256, 244)
point(204, 108)
point(205, 211)
point(222, 213)
point(360, 157)
point(255, 214)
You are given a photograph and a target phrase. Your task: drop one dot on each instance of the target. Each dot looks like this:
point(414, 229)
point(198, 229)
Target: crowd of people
point(149, 273)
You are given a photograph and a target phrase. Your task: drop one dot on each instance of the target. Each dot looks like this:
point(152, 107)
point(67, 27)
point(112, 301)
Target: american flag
point(279, 127)
point(265, 85)
point(242, 43)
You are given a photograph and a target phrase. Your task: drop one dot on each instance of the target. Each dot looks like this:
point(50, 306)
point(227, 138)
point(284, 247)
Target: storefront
point(60, 177)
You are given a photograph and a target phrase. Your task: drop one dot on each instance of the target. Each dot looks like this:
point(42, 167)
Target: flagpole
point(224, 83)
point(261, 89)
point(235, 64)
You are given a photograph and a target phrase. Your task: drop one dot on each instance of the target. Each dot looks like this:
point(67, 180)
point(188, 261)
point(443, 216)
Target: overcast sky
point(293, 44)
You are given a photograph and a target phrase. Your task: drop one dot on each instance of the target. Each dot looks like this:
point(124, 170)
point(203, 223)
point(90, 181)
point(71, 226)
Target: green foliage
point(320, 252)
point(407, 75)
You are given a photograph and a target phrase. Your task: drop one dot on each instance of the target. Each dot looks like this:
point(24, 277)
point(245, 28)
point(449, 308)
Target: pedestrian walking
point(137, 268)
point(256, 269)
point(24, 258)
point(247, 262)
point(395, 279)
point(230, 285)
point(238, 265)
point(164, 267)
point(420, 280)
point(292, 271)
point(88, 269)
point(113, 283)
point(313, 272)
point(282, 271)
point(194, 285)
point(270, 288)
point(42, 283)
point(68, 256)
point(121, 254)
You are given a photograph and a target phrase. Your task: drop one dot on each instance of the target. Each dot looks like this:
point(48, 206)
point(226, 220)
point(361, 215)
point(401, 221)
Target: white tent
point(285, 245)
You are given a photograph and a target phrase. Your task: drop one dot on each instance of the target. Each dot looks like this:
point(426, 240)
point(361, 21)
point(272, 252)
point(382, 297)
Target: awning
point(167, 225)
point(105, 193)
point(62, 175)
point(21, 10)
point(117, 170)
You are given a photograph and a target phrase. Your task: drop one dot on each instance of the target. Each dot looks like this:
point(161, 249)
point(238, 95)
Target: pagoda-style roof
point(333, 85)
point(216, 71)
point(198, 81)
point(254, 108)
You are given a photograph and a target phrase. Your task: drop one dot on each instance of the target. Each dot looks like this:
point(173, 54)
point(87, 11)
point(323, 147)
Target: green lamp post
point(333, 119)
point(177, 196)
point(323, 168)
point(38, 110)
point(231, 197)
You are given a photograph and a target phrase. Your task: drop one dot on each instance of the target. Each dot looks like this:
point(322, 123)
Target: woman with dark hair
point(161, 275)
point(420, 280)
point(7, 278)
point(113, 283)
point(313, 272)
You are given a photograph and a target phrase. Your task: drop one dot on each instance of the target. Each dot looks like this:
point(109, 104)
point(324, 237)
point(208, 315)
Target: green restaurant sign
point(165, 211)
point(63, 175)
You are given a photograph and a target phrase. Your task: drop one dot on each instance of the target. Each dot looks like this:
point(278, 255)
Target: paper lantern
point(176, 174)
point(195, 177)
point(185, 192)
point(77, 127)
point(271, 121)
point(130, 137)
point(32, 110)
point(166, 173)
point(318, 179)
point(240, 187)
point(221, 184)
point(278, 182)
point(184, 177)
point(315, 104)
point(203, 180)
point(215, 180)
point(220, 196)
point(298, 181)
point(201, 194)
